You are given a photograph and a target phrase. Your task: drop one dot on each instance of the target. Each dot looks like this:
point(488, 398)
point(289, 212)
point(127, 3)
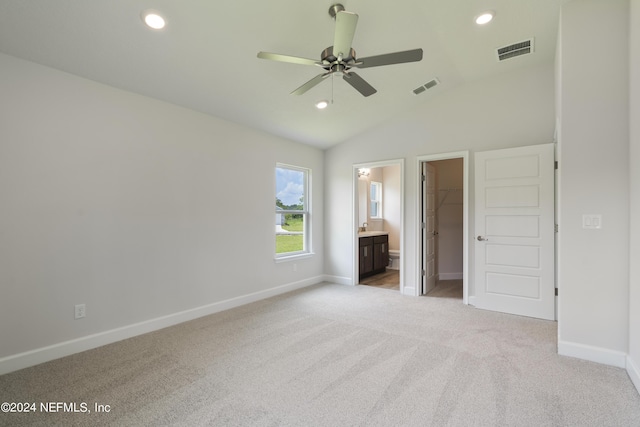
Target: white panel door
point(514, 216)
point(428, 227)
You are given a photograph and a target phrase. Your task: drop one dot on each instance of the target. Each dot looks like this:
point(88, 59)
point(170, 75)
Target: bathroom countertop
point(372, 233)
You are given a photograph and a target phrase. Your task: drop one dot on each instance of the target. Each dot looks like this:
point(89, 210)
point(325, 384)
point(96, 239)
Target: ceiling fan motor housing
point(333, 63)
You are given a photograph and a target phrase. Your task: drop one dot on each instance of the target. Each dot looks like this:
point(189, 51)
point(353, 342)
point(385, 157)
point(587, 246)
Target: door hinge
point(424, 178)
point(424, 273)
point(423, 225)
point(556, 291)
point(555, 228)
point(555, 165)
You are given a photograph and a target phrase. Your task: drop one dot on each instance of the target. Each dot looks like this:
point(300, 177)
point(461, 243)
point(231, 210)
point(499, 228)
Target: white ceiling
point(205, 59)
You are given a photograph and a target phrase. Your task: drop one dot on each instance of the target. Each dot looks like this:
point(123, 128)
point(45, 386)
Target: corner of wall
point(634, 373)
point(633, 359)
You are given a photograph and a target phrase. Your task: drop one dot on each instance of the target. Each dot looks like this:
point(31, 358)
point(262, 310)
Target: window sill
point(295, 257)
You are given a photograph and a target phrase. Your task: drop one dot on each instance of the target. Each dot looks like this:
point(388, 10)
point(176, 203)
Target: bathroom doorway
point(443, 224)
point(378, 206)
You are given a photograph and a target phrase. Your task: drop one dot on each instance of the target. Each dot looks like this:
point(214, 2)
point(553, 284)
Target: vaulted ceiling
point(205, 58)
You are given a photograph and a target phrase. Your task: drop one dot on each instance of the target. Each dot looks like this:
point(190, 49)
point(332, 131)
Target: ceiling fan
point(340, 58)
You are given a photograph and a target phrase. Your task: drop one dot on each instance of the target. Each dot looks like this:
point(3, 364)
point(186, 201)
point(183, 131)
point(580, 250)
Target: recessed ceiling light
point(484, 18)
point(320, 105)
point(153, 19)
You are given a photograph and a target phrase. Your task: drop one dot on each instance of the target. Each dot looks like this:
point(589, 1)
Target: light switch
point(592, 222)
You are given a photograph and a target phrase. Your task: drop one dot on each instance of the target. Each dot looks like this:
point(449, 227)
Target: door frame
point(355, 212)
point(428, 229)
point(464, 155)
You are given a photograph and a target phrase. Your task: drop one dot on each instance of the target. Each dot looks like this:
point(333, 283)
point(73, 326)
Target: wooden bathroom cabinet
point(374, 255)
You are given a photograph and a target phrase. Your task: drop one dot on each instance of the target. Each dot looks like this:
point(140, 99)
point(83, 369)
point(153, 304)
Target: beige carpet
point(333, 355)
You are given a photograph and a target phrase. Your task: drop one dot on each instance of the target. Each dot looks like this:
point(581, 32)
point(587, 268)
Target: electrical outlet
point(80, 311)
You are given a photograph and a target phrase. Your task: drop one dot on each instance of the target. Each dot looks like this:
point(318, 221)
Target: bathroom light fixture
point(153, 19)
point(485, 17)
point(321, 105)
point(363, 172)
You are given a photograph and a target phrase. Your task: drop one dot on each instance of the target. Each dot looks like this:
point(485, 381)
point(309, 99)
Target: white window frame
point(377, 200)
point(305, 212)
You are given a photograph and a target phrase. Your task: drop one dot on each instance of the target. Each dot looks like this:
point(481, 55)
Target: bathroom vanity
point(374, 252)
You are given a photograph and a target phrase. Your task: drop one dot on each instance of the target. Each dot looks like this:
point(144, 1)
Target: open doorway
point(443, 216)
point(378, 224)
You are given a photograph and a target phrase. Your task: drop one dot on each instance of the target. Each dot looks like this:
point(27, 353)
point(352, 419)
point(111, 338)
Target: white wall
point(135, 207)
point(509, 110)
point(374, 224)
point(633, 361)
point(392, 201)
point(593, 272)
point(363, 201)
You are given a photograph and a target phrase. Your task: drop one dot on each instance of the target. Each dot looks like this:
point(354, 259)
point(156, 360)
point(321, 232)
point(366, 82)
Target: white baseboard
point(593, 354)
point(634, 373)
point(66, 348)
point(340, 280)
point(450, 276)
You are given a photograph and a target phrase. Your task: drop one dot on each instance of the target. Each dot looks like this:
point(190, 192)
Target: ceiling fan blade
point(345, 30)
point(287, 58)
point(311, 83)
point(390, 58)
point(359, 84)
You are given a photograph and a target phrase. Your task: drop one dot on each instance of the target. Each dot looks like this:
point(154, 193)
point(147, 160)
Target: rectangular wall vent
point(516, 49)
point(424, 87)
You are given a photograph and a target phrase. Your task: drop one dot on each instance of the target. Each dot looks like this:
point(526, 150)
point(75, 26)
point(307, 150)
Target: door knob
point(482, 239)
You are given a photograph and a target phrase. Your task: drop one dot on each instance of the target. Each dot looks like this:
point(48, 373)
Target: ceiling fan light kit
point(339, 59)
point(321, 105)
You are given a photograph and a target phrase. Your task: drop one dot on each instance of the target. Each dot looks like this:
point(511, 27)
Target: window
point(376, 200)
point(292, 211)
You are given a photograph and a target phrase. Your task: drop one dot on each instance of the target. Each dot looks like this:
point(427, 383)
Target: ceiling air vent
point(428, 85)
point(516, 49)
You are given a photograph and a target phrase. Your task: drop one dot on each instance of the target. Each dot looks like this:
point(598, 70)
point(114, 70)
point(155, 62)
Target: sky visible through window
point(289, 186)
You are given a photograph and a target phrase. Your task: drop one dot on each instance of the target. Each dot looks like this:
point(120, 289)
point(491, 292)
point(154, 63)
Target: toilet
point(394, 259)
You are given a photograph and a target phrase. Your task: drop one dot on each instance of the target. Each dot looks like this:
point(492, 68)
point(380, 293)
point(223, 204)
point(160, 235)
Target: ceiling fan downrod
point(334, 9)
